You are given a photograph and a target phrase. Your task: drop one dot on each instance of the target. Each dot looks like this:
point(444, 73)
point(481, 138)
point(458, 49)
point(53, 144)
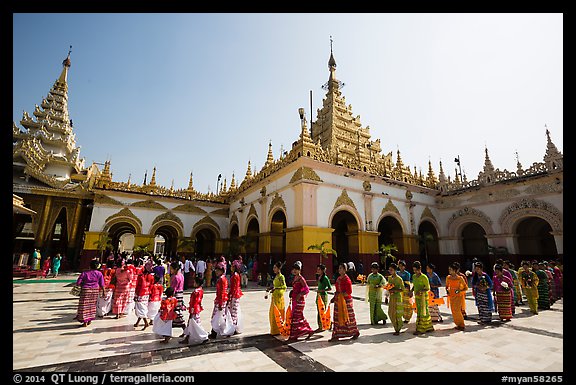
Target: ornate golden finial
point(128, 183)
point(233, 183)
point(172, 186)
point(190, 183)
point(270, 157)
point(249, 171)
point(153, 179)
point(67, 62)
point(224, 188)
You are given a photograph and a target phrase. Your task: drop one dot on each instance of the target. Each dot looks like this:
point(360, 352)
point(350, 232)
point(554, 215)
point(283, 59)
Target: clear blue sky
point(206, 92)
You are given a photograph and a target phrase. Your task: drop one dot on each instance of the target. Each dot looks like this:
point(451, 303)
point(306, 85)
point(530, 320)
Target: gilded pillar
point(44, 222)
point(73, 241)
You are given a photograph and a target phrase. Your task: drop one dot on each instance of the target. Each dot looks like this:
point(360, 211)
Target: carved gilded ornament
point(106, 200)
point(263, 191)
point(125, 212)
point(367, 186)
point(206, 221)
point(390, 207)
point(277, 201)
point(409, 195)
point(427, 213)
point(189, 208)
point(168, 216)
point(305, 173)
point(252, 211)
point(149, 204)
point(469, 211)
point(531, 207)
point(344, 199)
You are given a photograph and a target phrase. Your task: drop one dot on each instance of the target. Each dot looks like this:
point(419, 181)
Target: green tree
point(386, 254)
point(102, 244)
point(324, 251)
point(140, 250)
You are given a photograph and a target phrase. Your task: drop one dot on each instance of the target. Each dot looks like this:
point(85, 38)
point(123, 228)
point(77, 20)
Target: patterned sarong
point(298, 325)
point(504, 300)
point(87, 304)
point(344, 318)
point(180, 307)
point(396, 310)
point(484, 311)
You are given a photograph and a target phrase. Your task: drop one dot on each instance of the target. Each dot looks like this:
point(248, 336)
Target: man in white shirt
point(200, 268)
point(188, 269)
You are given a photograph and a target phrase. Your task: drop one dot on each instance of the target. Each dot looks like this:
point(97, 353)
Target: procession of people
point(154, 290)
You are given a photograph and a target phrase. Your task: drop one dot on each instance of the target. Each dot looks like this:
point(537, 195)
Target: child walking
point(163, 320)
point(155, 298)
point(194, 331)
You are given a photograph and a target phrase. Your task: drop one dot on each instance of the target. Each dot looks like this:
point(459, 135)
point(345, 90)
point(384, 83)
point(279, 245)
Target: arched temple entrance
point(57, 239)
point(170, 235)
point(390, 231)
point(278, 236)
point(121, 235)
point(474, 240)
point(428, 241)
point(205, 242)
point(345, 236)
point(533, 238)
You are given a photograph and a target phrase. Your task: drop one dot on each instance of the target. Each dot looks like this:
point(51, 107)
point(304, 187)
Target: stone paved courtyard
point(46, 338)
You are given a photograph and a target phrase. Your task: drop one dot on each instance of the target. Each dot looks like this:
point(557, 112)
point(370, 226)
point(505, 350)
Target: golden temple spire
point(249, 171)
point(441, 176)
point(399, 163)
point(270, 157)
point(224, 189)
point(519, 170)
point(190, 183)
point(233, 183)
point(553, 158)
point(153, 179)
point(64, 74)
point(129, 183)
point(172, 186)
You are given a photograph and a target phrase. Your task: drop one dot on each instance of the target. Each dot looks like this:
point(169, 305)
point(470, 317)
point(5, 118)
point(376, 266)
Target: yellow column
point(264, 243)
point(410, 244)
point(220, 246)
point(91, 238)
point(299, 238)
point(368, 242)
point(43, 224)
point(143, 240)
point(75, 223)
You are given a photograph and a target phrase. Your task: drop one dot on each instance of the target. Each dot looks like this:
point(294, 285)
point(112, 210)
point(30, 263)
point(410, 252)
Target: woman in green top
point(323, 287)
point(277, 297)
point(56, 265)
point(396, 304)
point(421, 288)
point(376, 282)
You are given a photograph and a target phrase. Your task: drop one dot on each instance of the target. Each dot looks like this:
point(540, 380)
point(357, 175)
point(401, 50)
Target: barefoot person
point(344, 322)
point(155, 298)
point(396, 302)
point(221, 299)
point(162, 325)
point(142, 296)
point(278, 289)
point(299, 326)
point(421, 288)
point(194, 331)
point(91, 283)
point(456, 287)
point(322, 295)
point(375, 284)
point(122, 289)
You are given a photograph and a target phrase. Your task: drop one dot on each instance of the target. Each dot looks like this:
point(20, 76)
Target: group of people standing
point(48, 265)
point(139, 286)
point(156, 295)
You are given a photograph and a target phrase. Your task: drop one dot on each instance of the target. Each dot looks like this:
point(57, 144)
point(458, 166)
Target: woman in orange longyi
point(456, 287)
point(344, 318)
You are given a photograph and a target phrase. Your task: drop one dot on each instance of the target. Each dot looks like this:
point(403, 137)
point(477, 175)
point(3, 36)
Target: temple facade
point(335, 187)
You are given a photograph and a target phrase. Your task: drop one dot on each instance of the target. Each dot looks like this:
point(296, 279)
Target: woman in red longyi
point(221, 299)
point(235, 294)
point(344, 318)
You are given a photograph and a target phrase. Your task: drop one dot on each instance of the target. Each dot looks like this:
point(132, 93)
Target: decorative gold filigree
point(466, 211)
point(526, 207)
point(206, 221)
point(189, 208)
point(252, 211)
point(427, 213)
point(277, 201)
point(168, 216)
point(305, 173)
point(106, 200)
point(125, 212)
point(344, 199)
point(390, 207)
point(149, 204)
point(367, 186)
